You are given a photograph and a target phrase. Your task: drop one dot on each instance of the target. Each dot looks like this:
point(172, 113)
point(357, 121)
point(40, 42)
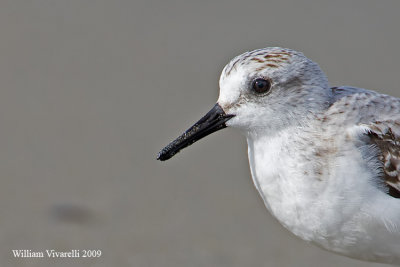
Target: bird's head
point(261, 91)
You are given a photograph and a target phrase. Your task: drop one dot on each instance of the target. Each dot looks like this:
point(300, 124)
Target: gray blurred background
point(92, 89)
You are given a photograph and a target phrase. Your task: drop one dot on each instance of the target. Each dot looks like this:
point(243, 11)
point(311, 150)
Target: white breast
point(323, 199)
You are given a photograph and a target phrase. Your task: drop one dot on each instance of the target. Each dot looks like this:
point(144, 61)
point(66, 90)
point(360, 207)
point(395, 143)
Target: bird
point(325, 160)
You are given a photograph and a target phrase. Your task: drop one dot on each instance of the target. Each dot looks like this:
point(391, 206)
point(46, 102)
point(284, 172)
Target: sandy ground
point(92, 89)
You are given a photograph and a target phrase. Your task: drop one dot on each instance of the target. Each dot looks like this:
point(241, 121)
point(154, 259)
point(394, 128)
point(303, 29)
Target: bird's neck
point(286, 178)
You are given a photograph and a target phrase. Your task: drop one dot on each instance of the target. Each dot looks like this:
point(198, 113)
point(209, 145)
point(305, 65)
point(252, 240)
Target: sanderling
point(326, 161)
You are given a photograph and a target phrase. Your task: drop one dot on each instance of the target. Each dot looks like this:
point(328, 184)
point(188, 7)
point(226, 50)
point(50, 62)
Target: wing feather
point(386, 136)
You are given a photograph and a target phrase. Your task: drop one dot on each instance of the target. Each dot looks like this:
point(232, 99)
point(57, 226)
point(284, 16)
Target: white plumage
point(318, 155)
point(326, 161)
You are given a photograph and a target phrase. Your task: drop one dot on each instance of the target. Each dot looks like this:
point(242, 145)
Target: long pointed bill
point(213, 121)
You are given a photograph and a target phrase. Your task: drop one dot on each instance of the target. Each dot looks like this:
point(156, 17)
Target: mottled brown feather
point(385, 135)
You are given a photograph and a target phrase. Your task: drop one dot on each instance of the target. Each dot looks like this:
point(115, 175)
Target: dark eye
point(261, 85)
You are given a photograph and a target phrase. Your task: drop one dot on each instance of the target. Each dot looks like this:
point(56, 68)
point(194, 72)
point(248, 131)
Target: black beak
point(213, 121)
